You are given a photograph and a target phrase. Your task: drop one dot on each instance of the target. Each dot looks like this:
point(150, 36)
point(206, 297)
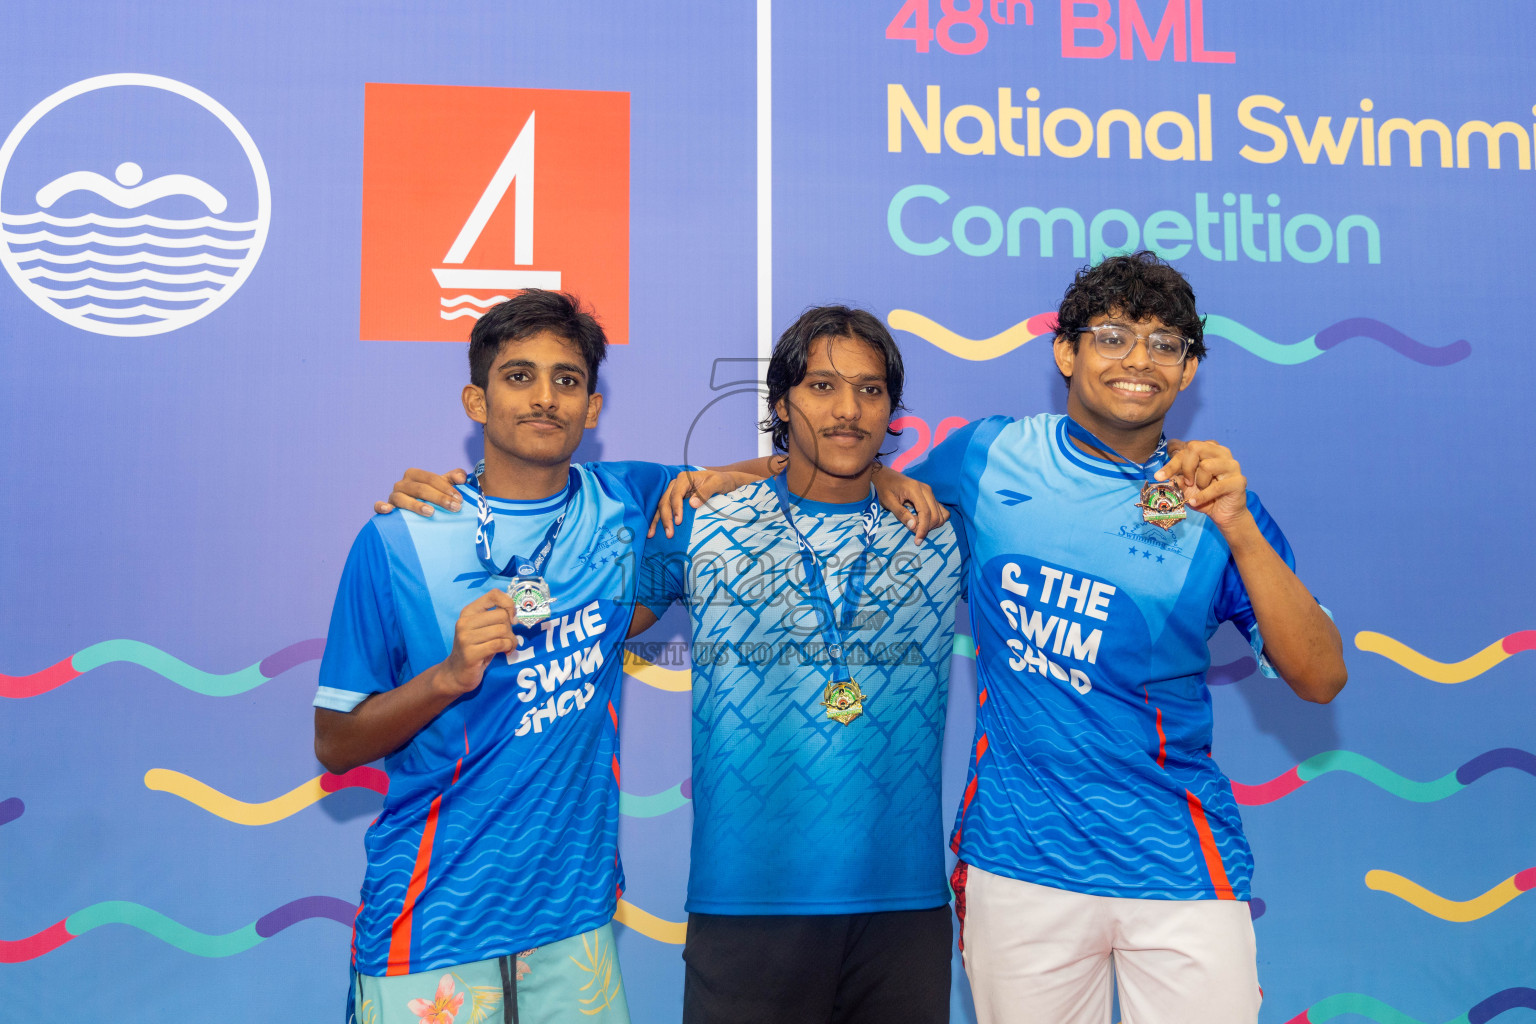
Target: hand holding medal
point(484, 630)
point(1210, 478)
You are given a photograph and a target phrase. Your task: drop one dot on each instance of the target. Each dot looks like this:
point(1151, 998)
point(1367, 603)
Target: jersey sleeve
point(365, 649)
point(958, 459)
point(664, 567)
point(644, 481)
point(1232, 601)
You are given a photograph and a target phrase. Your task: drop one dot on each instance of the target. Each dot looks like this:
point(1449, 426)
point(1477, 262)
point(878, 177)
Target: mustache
point(542, 419)
point(856, 431)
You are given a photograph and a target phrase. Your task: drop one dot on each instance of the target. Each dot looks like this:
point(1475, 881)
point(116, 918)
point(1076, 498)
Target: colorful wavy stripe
point(673, 680)
point(1333, 336)
point(976, 350)
point(1293, 354)
point(290, 803)
point(174, 933)
point(1442, 671)
point(1451, 910)
point(190, 940)
point(1346, 1003)
point(221, 805)
point(211, 684)
point(649, 925)
point(1384, 778)
point(135, 652)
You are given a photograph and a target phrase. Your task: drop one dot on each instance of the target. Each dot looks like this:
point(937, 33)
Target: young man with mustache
point(479, 653)
point(822, 637)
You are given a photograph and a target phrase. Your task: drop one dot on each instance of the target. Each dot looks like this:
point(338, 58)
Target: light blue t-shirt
point(793, 812)
point(499, 832)
point(1092, 766)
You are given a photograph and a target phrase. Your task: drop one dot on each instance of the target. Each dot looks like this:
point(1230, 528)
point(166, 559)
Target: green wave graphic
point(174, 933)
point(177, 671)
point(1354, 1003)
point(1273, 352)
point(654, 805)
point(1376, 775)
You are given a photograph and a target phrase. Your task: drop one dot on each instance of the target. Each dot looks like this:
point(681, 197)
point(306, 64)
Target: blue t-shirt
point(499, 832)
point(793, 812)
point(1092, 766)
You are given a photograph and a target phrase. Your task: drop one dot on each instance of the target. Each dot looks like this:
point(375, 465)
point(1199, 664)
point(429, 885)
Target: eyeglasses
point(1114, 341)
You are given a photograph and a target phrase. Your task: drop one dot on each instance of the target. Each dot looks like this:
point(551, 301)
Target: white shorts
point(1037, 955)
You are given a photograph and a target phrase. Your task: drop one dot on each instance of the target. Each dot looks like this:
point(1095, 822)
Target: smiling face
point(1125, 395)
point(838, 414)
point(535, 404)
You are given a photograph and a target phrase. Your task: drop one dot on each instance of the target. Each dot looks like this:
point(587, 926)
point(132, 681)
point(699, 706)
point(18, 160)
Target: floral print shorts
point(566, 982)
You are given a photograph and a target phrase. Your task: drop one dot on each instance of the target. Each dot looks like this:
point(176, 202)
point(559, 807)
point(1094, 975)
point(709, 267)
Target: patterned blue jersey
point(1092, 766)
point(794, 813)
point(499, 832)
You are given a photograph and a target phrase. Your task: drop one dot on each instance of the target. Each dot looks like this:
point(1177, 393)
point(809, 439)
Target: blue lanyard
point(833, 620)
point(1144, 470)
point(485, 533)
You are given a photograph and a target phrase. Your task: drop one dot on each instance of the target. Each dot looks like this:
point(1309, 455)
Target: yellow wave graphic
point(227, 807)
point(1439, 906)
point(673, 680)
point(649, 925)
point(976, 350)
point(1435, 671)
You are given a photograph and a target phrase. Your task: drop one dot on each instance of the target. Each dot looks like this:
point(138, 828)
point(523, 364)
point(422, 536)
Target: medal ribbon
point(1145, 470)
point(485, 533)
point(835, 620)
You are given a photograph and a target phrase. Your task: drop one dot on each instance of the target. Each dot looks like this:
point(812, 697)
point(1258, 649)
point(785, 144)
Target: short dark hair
point(792, 352)
point(527, 314)
point(1139, 286)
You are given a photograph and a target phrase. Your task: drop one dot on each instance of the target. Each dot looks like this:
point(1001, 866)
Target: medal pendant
point(844, 701)
point(1161, 504)
point(530, 595)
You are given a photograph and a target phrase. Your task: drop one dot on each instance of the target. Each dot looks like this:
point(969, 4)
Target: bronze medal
point(1161, 504)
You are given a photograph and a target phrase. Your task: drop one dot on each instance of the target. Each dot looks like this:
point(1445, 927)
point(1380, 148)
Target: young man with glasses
point(1095, 830)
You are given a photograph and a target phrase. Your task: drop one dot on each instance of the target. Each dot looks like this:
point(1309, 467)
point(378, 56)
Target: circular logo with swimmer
point(131, 204)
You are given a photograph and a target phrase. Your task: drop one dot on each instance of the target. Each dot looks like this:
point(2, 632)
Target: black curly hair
point(1139, 286)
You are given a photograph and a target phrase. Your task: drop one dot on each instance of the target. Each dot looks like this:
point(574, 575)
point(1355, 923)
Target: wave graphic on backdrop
point(1451, 910)
point(1442, 671)
point(1331, 337)
point(1006, 341)
point(221, 805)
point(128, 270)
point(174, 933)
point(976, 350)
point(211, 684)
point(1348, 1003)
point(190, 940)
point(1384, 778)
point(466, 305)
point(135, 652)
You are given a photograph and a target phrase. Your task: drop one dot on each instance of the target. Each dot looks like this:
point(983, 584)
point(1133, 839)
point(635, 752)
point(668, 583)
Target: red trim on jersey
point(1162, 741)
point(616, 769)
point(970, 793)
point(981, 698)
point(613, 715)
point(400, 932)
point(1213, 865)
point(957, 881)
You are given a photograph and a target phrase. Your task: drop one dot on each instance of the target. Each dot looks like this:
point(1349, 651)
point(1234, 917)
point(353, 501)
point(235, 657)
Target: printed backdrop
point(243, 244)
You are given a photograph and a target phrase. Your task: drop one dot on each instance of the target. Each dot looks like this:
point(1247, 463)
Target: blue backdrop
point(197, 413)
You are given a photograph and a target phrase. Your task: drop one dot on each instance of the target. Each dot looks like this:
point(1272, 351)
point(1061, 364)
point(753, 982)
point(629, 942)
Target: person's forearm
point(1300, 640)
point(380, 725)
point(757, 469)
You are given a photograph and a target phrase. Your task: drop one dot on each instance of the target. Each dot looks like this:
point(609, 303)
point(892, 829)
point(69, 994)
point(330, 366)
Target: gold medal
point(844, 701)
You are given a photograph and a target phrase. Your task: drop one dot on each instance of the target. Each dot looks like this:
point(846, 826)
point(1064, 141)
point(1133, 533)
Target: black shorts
point(883, 968)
